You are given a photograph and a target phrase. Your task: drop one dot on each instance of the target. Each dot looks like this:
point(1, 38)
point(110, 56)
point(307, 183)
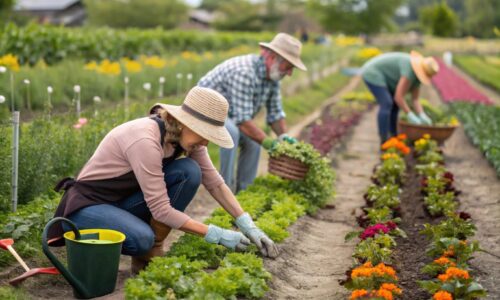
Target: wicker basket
point(414, 132)
point(287, 168)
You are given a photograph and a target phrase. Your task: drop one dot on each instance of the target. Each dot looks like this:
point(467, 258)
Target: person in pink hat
point(250, 82)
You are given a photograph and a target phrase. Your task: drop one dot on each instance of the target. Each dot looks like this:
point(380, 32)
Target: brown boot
point(161, 231)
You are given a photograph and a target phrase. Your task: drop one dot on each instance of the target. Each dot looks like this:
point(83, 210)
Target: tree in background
point(354, 16)
point(482, 17)
point(5, 9)
point(136, 13)
point(439, 20)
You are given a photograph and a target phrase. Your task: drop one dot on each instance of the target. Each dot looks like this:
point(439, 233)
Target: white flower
point(179, 75)
point(147, 86)
point(125, 79)
point(97, 99)
point(2, 99)
point(50, 90)
point(26, 81)
point(3, 69)
point(76, 88)
point(162, 79)
point(189, 76)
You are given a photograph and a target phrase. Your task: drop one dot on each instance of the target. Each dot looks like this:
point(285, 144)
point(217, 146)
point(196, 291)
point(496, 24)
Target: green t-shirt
point(386, 70)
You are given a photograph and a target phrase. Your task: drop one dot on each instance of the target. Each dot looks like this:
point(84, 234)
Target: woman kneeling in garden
point(145, 172)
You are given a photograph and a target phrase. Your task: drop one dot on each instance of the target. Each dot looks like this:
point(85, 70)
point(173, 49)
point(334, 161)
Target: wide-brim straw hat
point(287, 47)
point(424, 67)
point(204, 111)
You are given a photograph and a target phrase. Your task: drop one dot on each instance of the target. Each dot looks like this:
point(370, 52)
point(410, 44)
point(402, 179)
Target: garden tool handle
point(18, 258)
point(75, 283)
point(6, 244)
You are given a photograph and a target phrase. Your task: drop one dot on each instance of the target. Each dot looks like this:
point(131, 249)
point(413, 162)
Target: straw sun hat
point(204, 111)
point(287, 47)
point(424, 67)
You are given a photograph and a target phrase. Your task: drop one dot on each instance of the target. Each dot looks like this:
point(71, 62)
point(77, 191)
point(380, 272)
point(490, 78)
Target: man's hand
point(286, 138)
point(269, 143)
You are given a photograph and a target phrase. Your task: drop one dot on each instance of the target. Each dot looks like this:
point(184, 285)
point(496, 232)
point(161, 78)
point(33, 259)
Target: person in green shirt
point(390, 77)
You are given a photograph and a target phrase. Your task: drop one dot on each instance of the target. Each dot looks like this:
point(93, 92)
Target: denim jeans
point(131, 216)
point(387, 118)
point(248, 160)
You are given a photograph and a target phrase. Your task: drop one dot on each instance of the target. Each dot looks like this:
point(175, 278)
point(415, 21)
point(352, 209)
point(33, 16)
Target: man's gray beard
point(274, 72)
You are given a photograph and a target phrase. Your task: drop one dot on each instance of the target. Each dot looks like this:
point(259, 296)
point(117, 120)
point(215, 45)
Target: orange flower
point(367, 270)
point(450, 252)
point(402, 137)
point(444, 261)
point(391, 287)
point(452, 273)
point(395, 143)
point(442, 295)
point(358, 294)
point(386, 294)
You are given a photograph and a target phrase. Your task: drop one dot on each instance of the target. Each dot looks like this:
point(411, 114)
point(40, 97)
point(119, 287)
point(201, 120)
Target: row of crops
point(450, 248)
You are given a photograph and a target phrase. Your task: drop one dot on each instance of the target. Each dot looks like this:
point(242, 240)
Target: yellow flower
point(109, 67)
point(208, 55)
point(454, 122)
point(154, 61)
point(427, 136)
point(91, 66)
point(10, 62)
point(132, 66)
point(370, 52)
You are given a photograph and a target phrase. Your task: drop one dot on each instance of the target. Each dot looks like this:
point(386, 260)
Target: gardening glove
point(413, 118)
point(425, 118)
point(269, 143)
point(264, 243)
point(285, 137)
point(228, 238)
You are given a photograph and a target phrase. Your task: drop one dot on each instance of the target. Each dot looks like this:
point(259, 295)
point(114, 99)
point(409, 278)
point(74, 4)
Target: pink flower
point(77, 126)
point(391, 225)
point(82, 121)
point(371, 231)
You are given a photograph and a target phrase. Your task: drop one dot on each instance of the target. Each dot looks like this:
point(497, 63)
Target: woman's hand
point(230, 239)
point(264, 243)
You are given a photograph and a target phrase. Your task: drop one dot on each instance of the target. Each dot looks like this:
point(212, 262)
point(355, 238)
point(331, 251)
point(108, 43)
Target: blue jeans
point(387, 118)
point(131, 216)
point(248, 160)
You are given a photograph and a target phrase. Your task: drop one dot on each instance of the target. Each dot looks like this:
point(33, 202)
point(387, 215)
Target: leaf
point(349, 236)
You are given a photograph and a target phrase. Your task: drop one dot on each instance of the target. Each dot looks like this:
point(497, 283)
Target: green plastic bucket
point(93, 259)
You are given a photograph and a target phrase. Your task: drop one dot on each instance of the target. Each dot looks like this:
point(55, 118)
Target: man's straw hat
point(204, 111)
point(424, 67)
point(287, 47)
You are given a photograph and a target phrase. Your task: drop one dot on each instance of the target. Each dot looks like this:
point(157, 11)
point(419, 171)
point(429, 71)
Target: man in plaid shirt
point(250, 82)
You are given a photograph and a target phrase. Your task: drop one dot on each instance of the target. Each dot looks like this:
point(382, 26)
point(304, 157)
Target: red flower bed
point(453, 87)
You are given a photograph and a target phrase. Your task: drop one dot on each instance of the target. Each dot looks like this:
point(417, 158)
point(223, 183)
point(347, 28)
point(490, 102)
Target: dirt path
point(315, 257)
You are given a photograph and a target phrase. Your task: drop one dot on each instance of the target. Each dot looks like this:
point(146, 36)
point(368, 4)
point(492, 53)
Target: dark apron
point(80, 194)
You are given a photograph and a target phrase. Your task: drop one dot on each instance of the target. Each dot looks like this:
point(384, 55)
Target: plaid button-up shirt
point(242, 80)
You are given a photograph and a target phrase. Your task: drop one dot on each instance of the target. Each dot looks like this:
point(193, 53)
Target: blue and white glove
point(286, 138)
point(425, 118)
point(413, 118)
point(264, 243)
point(228, 238)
